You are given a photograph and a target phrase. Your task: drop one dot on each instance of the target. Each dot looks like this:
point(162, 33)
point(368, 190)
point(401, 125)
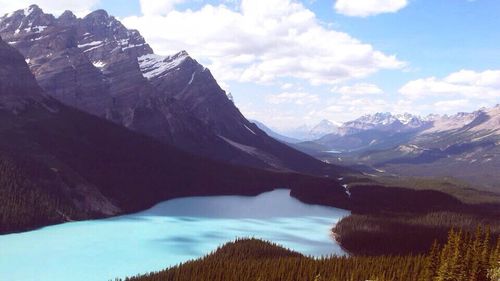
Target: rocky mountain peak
point(67, 18)
point(98, 16)
point(99, 66)
point(25, 21)
point(182, 53)
point(385, 121)
point(387, 118)
point(325, 122)
point(324, 127)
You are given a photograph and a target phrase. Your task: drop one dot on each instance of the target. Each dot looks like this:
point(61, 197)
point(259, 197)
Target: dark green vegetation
point(62, 165)
point(27, 202)
point(465, 256)
point(459, 189)
point(403, 233)
point(420, 219)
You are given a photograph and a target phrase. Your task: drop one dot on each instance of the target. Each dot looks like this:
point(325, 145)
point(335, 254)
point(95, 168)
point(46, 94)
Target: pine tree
point(431, 263)
point(476, 256)
point(444, 272)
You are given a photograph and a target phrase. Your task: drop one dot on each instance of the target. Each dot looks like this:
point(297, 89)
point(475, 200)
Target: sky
point(294, 62)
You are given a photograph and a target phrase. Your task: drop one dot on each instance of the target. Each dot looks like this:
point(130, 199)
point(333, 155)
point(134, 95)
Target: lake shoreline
point(167, 234)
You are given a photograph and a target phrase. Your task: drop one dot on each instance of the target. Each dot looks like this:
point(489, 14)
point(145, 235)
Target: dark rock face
point(99, 66)
point(15, 77)
point(23, 101)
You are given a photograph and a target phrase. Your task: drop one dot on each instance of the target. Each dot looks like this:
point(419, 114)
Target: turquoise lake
point(167, 234)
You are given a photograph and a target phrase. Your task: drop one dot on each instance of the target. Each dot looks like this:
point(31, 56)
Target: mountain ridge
point(464, 146)
point(59, 164)
point(96, 64)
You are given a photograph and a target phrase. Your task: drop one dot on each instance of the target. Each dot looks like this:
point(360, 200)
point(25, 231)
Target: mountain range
point(310, 132)
point(58, 163)
point(99, 66)
point(463, 146)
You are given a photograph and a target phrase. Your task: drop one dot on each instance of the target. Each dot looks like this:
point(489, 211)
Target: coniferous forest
point(466, 256)
point(27, 203)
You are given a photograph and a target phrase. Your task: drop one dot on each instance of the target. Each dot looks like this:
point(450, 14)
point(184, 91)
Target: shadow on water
point(167, 234)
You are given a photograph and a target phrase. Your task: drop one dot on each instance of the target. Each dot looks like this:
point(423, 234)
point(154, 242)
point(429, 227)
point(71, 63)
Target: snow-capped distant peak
point(324, 127)
point(154, 65)
point(405, 118)
point(384, 121)
point(387, 118)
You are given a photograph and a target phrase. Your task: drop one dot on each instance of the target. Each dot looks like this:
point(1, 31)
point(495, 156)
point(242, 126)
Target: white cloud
point(79, 7)
point(461, 91)
point(348, 108)
point(451, 105)
point(465, 83)
point(358, 89)
point(365, 8)
point(298, 98)
point(287, 86)
point(158, 7)
point(264, 42)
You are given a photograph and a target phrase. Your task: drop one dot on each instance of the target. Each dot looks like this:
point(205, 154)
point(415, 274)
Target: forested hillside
point(465, 256)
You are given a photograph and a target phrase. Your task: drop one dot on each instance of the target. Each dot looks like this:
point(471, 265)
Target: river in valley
point(171, 232)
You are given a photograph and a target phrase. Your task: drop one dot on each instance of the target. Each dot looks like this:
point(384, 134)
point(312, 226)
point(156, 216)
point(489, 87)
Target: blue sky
point(290, 62)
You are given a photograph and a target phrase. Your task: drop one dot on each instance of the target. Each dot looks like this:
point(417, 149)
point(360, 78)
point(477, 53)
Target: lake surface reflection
point(167, 234)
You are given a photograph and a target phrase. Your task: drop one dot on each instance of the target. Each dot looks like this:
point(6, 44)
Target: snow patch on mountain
point(384, 121)
point(324, 127)
point(251, 131)
point(99, 64)
point(153, 65)
point(90, 44)
point(410, 149)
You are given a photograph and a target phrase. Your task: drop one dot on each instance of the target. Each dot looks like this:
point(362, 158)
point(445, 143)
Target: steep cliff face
point(15, 78)
point(99, 66)
point(52, 53)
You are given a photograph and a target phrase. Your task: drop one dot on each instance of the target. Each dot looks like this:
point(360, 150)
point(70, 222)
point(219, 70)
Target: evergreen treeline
point(465, 256)
point(25, 203)
point(405, 233)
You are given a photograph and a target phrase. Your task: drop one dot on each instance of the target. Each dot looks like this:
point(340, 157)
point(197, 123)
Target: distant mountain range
point(380, 130)
point(305, 132)
point(332, 135)
point(464, 146)
point(99, 66)
point(270, 132)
